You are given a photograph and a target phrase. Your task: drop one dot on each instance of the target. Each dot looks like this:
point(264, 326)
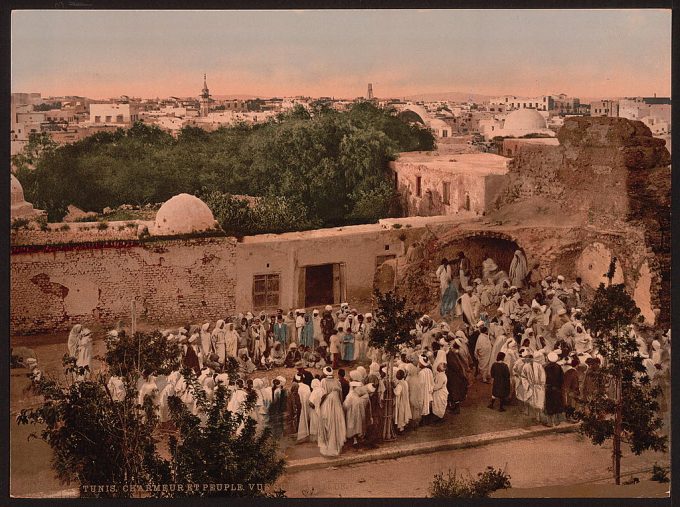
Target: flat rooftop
point(466, 163)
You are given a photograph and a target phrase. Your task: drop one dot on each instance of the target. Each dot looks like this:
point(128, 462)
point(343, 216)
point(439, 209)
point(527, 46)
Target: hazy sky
point(587, 53)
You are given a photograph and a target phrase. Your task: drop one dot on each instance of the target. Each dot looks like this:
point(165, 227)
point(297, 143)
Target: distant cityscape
point(67, 119)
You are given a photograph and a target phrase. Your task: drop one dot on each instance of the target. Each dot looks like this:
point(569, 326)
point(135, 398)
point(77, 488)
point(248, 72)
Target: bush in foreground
point(455, 486)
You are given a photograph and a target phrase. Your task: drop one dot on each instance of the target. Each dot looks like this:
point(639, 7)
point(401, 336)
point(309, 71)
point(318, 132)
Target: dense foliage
point(393, 323)
point(333, 162)
point(624, 407)
point(455, 486)
point(97, 440)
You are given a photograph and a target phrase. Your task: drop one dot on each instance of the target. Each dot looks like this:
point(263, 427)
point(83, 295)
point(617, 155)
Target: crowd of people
point(539, 354)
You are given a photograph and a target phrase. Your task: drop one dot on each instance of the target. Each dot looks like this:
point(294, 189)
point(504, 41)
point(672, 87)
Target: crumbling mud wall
point(603, 192)
point(173, 280)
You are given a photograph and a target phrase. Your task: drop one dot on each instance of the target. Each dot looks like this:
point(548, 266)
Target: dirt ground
point(548, 466)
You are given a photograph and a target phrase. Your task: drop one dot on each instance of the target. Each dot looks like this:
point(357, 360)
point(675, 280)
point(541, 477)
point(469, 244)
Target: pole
point(618, 416)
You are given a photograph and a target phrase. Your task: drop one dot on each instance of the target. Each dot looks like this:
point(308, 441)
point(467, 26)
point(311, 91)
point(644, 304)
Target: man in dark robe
point(374, 414)
point(307, 376)
point(570, 388)
point(500, 374)
point(344, 383)
point(456, 379)
point(191, 358)
point(277, 408)
point(554, 378)
point(327, 325)
point(293, 409)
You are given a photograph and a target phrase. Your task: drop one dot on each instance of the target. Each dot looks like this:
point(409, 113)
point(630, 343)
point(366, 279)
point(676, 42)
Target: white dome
point(523, 122)
point(525, 119)
point(19, 207)
point(17, 191)
point(183, 214)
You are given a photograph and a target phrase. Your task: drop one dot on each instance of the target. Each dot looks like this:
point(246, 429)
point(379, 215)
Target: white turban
point(328, 371)
point(423, 360)
point(552, 357)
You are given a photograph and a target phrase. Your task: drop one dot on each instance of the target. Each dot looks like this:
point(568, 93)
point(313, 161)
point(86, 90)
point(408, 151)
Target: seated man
point(246, 365)
point(266, 362)
point(277, 355)
point(293, 356)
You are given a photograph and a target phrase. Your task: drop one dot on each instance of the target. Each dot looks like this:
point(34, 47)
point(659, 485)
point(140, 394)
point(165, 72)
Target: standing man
point(500, 373)
point(281, 332)
point(464, 269)
point(456, 378)
point(334, 346)
point(427, 381)
point(327, 324)
point(554, 378)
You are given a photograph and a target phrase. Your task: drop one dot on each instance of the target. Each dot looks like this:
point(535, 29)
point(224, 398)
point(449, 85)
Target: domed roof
point(525, 119)
point(17, 191)
point(19, 207)
point(183, 214)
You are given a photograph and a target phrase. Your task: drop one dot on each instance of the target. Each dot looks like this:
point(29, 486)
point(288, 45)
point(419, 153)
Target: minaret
point(370, 91)
point(204, 99)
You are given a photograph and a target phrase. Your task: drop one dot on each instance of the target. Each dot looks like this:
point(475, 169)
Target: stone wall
point(171, 281)
point(608, 175)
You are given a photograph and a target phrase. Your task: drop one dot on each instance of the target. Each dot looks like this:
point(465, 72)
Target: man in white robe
point(332, 430)
point(402, 405)
point(518, 269)
point(73, 338)
point(427, 381)
point(482, 353)
point(304, 391)
point(440, 393)
point(464, 307)
point(444, 275)
point(535, 376)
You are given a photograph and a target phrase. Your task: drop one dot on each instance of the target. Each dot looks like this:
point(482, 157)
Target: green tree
point(39, 144)
point(332, 164)
point(626, 412)
point(392, 329)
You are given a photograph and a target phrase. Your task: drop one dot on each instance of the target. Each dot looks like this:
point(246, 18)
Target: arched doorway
point(477, 247)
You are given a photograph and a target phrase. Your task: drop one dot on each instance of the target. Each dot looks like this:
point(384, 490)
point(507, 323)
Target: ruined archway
point(477, 246)
point(418, 282)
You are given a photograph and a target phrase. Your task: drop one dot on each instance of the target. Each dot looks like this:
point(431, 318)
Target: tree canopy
point(333, 163)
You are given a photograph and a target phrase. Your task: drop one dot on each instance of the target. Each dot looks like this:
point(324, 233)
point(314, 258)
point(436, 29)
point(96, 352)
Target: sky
point(101, 54)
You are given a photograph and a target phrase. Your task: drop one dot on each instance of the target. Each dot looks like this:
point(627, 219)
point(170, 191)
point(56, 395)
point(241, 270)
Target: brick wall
point(175, 280)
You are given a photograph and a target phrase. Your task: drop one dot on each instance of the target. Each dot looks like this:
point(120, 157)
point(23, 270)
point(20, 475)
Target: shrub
point(20, 223)
point(396, 226)
point(102, 226)
point(42, 223)
point(65, 227)
point(454, 486)
point(660, 473)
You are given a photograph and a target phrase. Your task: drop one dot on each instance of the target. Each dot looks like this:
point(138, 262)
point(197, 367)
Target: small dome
point(19, 207)
point(525, 119)
point(183, 214)
point(17, 191)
